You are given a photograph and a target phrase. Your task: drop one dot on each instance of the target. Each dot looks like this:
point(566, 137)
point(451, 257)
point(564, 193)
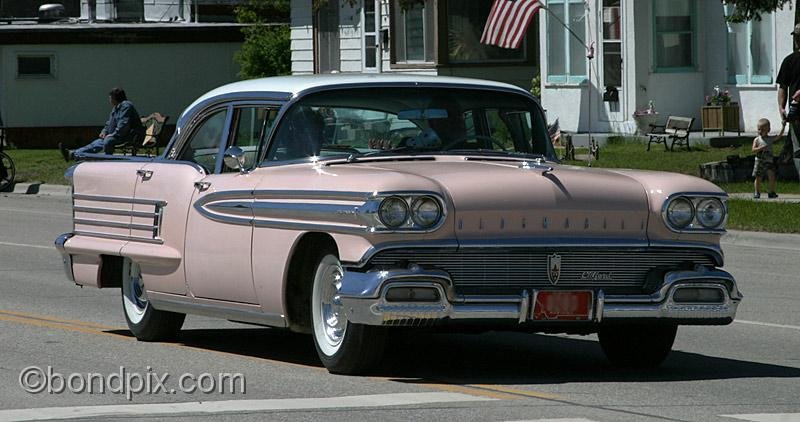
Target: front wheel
point(637, 346)
point(145, 322)
point(343, 347)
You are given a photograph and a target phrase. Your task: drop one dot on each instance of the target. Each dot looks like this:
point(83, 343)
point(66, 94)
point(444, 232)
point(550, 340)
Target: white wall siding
point(350, 41)
point(78, 98)
point(674, 93)
point(302, 37)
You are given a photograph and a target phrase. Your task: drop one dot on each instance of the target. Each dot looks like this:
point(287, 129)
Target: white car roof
point(295, 84)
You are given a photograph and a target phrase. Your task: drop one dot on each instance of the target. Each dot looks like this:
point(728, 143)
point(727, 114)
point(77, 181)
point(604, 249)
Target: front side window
point(465, 23)
point(250, 125)
point(409, 121)
point(750, 47)
point(566, 55)
point(413, 25)
point(674, 34)
point(203, 145)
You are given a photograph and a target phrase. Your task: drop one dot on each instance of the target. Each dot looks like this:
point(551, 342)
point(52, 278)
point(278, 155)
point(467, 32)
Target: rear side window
point(203, 145)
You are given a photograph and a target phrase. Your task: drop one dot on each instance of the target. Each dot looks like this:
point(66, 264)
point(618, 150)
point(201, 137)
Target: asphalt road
point(749, 370)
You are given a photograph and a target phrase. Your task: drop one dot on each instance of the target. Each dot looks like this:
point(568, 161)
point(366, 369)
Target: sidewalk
point(788, 197)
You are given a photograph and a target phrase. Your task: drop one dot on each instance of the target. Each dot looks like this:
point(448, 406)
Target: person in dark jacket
point(123, 125)
point(788, 81)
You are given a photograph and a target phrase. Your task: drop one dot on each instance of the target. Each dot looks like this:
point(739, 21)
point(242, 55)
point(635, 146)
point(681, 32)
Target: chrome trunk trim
point(66, 258)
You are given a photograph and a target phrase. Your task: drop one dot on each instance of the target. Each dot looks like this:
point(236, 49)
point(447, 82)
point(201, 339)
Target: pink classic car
point(346, 205)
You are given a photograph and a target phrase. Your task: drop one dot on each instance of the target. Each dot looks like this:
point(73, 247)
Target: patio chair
point(153, 124)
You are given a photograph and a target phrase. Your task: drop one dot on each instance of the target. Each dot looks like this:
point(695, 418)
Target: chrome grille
point(527, 267)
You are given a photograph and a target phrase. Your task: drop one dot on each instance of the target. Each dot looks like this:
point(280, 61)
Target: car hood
point(504, 199)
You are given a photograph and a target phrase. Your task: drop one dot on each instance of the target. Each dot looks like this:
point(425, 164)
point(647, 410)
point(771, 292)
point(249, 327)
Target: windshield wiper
point(492, 153)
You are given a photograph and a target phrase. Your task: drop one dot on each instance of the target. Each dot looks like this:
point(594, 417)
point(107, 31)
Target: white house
point(55, 77)
point(438, 37)
point(671, 52)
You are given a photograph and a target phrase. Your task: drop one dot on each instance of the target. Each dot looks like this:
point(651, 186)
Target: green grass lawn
point(39, 165)
point(778, 217)
point(631, 153)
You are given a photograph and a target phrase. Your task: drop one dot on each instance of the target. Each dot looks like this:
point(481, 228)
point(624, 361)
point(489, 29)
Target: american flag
point(508, 21)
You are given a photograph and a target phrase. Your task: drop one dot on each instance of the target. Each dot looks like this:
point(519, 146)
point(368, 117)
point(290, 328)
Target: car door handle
point(145, 174)
point(201, 186)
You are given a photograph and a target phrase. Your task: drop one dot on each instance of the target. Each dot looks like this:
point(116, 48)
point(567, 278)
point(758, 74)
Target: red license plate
point(563, 306)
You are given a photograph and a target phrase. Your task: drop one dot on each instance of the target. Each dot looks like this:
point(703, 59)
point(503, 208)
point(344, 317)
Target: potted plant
point(644, 118)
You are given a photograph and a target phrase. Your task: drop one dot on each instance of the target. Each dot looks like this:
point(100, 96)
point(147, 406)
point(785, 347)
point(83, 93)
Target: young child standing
point(765, 162)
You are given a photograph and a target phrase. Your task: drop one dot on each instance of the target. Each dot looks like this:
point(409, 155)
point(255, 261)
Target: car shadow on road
point(489, 358)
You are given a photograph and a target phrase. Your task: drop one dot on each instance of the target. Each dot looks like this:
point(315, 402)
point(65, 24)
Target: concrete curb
point(41, 189)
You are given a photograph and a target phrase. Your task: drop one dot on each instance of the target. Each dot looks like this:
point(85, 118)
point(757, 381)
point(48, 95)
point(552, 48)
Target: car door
point(219, 228)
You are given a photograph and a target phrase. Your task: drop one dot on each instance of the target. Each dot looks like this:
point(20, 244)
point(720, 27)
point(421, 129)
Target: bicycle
point(7, 169)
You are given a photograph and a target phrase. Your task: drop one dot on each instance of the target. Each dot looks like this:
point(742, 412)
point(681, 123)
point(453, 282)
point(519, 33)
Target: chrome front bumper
point(364, 300)
point(66, 258)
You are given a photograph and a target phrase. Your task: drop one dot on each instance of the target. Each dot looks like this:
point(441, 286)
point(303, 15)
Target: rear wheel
point(637, 346)
point(145, 322)
point(343, 347)
point(7, 172)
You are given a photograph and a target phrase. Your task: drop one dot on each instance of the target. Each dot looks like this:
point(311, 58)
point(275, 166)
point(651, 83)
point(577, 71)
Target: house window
point(413, 25)
point(465, 22)
point(612, 43)
point(566, 55)
point(674, 37)
point(371, 22)
point(35, 66)
point(750, 52)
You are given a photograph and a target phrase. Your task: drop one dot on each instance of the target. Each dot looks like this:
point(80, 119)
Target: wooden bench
point(677, 129)
point(153, 124)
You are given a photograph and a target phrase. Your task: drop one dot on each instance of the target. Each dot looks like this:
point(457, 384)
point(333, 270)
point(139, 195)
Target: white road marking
point(227, 406)
point(767, 417)
point(557, 420)
point(767, 324)
point(26, 245)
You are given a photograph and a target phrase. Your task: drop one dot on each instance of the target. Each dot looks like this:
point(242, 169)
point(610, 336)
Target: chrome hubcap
point(134, 296)
point(332, 317)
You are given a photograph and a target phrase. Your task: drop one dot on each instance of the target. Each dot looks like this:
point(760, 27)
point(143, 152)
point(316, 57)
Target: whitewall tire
point(145, 322)
point(342, 346)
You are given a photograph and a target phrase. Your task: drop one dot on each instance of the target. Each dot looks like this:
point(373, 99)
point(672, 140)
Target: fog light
point(412, 294)
point(698, 295)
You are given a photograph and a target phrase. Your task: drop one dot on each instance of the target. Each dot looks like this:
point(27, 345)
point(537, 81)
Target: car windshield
point(358, 122)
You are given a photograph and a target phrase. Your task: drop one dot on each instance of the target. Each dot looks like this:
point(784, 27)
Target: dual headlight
point(410, 212)
point(695, 213)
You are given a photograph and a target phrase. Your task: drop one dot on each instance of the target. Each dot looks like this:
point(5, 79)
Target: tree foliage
point(266, 50)
point(747, 10)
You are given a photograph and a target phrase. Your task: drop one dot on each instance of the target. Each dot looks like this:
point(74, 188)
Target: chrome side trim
point(109, 211)
point(117, 199)
point(119, 237)
point(354, 212)
point(66, 258)
point(114, 224)
point(214, 311)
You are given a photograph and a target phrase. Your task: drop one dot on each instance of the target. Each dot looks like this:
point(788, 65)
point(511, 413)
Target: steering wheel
point(492, 141)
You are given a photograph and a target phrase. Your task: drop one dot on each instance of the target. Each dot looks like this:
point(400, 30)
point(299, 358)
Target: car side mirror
point(234, 159)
